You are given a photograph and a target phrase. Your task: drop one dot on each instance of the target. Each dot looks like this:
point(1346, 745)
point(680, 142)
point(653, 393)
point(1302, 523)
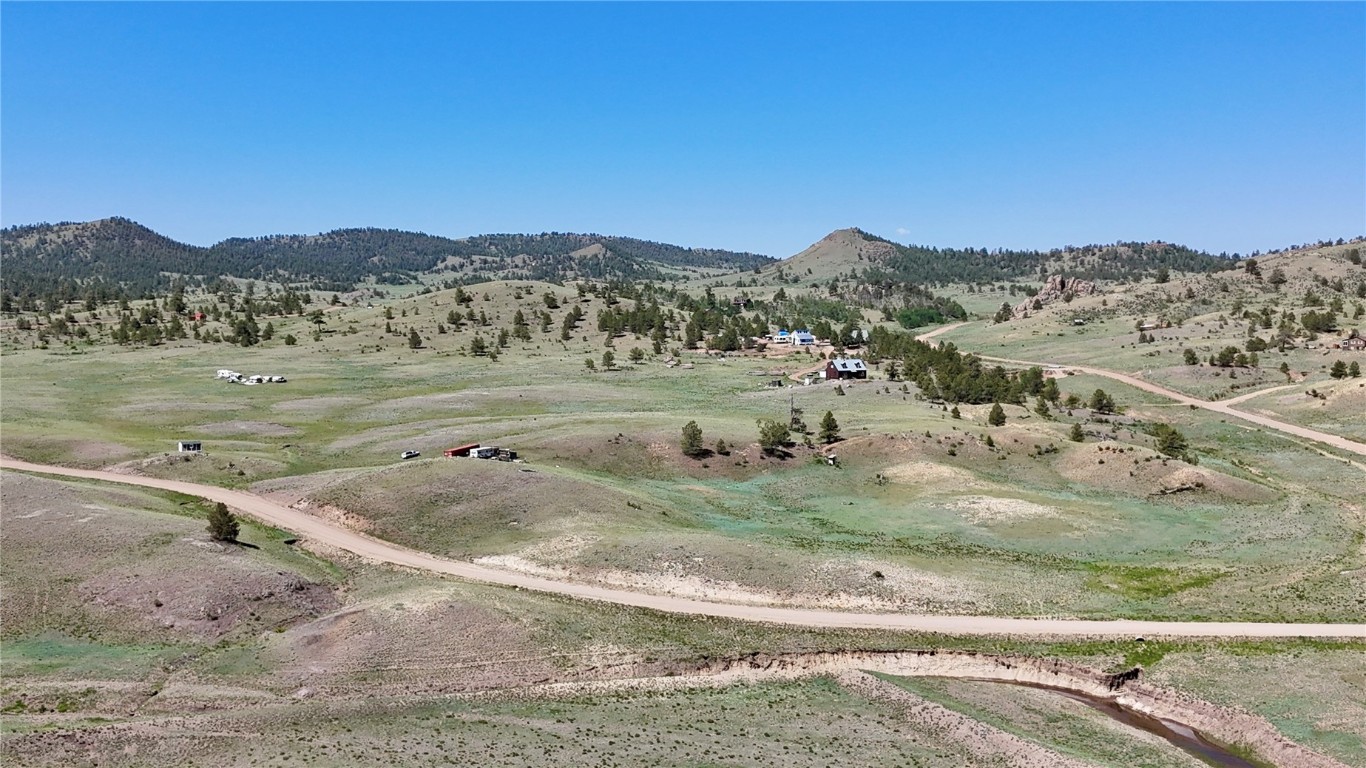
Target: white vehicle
point(410, 454)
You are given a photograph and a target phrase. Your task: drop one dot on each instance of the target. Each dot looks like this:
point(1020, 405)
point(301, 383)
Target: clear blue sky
point(755, 127)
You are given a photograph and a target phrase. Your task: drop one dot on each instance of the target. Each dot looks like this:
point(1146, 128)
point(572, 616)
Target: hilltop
point(71, 258)
point(854, 254)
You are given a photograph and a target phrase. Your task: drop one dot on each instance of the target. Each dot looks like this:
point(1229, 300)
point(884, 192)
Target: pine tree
point(997, 417)
point(222, 523)
point(414, 339)
point(773, 435)
point(1076, 435)
point(830, 429)
point(1170, 441)
point(692, 439)
point(1102, 402)
point(1041, 407)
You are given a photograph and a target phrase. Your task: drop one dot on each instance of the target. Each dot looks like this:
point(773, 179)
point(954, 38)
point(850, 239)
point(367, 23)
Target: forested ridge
point(70, 260)
point(1118, 261)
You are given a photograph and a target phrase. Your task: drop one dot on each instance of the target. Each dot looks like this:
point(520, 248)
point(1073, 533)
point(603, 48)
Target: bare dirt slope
point(327, 534)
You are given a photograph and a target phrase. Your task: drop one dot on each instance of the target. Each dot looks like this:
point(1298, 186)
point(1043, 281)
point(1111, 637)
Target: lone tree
point(1102, 402)
point(830, 429)
point(1170, 442)
point(692, 439)
point(414, 339)
point(773, 436)
point(222, 523)
point(997, 417)
point(1076, 435)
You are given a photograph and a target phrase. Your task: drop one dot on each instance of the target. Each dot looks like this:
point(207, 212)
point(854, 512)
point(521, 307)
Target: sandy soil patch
point(836, 584)
point(336, 515)
point(929, 473)
point(986, 509)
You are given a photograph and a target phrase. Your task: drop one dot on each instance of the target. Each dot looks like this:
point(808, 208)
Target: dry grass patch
point(132, 575)
point(467, 507)
point(1139, 471)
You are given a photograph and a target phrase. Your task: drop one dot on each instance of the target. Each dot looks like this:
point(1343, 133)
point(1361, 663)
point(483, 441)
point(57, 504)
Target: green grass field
point(925, 512)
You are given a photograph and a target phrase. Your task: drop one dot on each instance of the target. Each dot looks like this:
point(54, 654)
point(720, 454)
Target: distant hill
point(847, 254)
point(70, 259)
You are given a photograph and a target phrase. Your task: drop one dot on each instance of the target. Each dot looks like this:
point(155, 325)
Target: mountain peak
point(839, 253)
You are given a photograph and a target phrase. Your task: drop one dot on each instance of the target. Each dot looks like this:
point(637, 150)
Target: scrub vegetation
point(689, 459)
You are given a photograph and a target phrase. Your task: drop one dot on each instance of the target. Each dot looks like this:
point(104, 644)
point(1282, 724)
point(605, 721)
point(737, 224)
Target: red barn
point(845, 368)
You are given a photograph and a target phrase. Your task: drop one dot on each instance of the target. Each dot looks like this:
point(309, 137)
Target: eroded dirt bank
point(1223, 724)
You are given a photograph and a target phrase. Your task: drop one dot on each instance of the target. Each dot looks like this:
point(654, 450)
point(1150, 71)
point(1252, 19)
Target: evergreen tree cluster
point(1121, 261)
point(944, 373)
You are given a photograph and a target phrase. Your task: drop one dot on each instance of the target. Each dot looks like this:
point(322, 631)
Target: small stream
point(1179, 735)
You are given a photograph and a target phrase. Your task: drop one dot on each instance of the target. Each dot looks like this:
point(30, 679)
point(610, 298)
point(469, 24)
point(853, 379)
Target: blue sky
point(1224, 126)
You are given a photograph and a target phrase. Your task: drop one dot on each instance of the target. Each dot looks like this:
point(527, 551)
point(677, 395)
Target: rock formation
point(1057, 288)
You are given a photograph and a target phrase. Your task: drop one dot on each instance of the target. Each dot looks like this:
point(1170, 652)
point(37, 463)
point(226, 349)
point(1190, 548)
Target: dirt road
point(332, 535)
point(1224, 407)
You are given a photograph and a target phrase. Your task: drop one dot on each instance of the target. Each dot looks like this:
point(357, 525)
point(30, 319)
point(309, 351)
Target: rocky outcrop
point(1057, 288)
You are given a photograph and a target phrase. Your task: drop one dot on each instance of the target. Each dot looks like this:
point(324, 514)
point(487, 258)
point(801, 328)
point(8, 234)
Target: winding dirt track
point(332, 535)
point(1224, 407)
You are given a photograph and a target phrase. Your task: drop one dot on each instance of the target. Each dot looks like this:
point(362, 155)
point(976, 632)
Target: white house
point(803, 339)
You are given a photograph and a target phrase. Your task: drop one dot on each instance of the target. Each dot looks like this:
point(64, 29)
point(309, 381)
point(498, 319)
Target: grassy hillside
point(1030, 523)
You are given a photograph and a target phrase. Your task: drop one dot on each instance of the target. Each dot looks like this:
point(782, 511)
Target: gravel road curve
point(1224, 407)
point(332, 535)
